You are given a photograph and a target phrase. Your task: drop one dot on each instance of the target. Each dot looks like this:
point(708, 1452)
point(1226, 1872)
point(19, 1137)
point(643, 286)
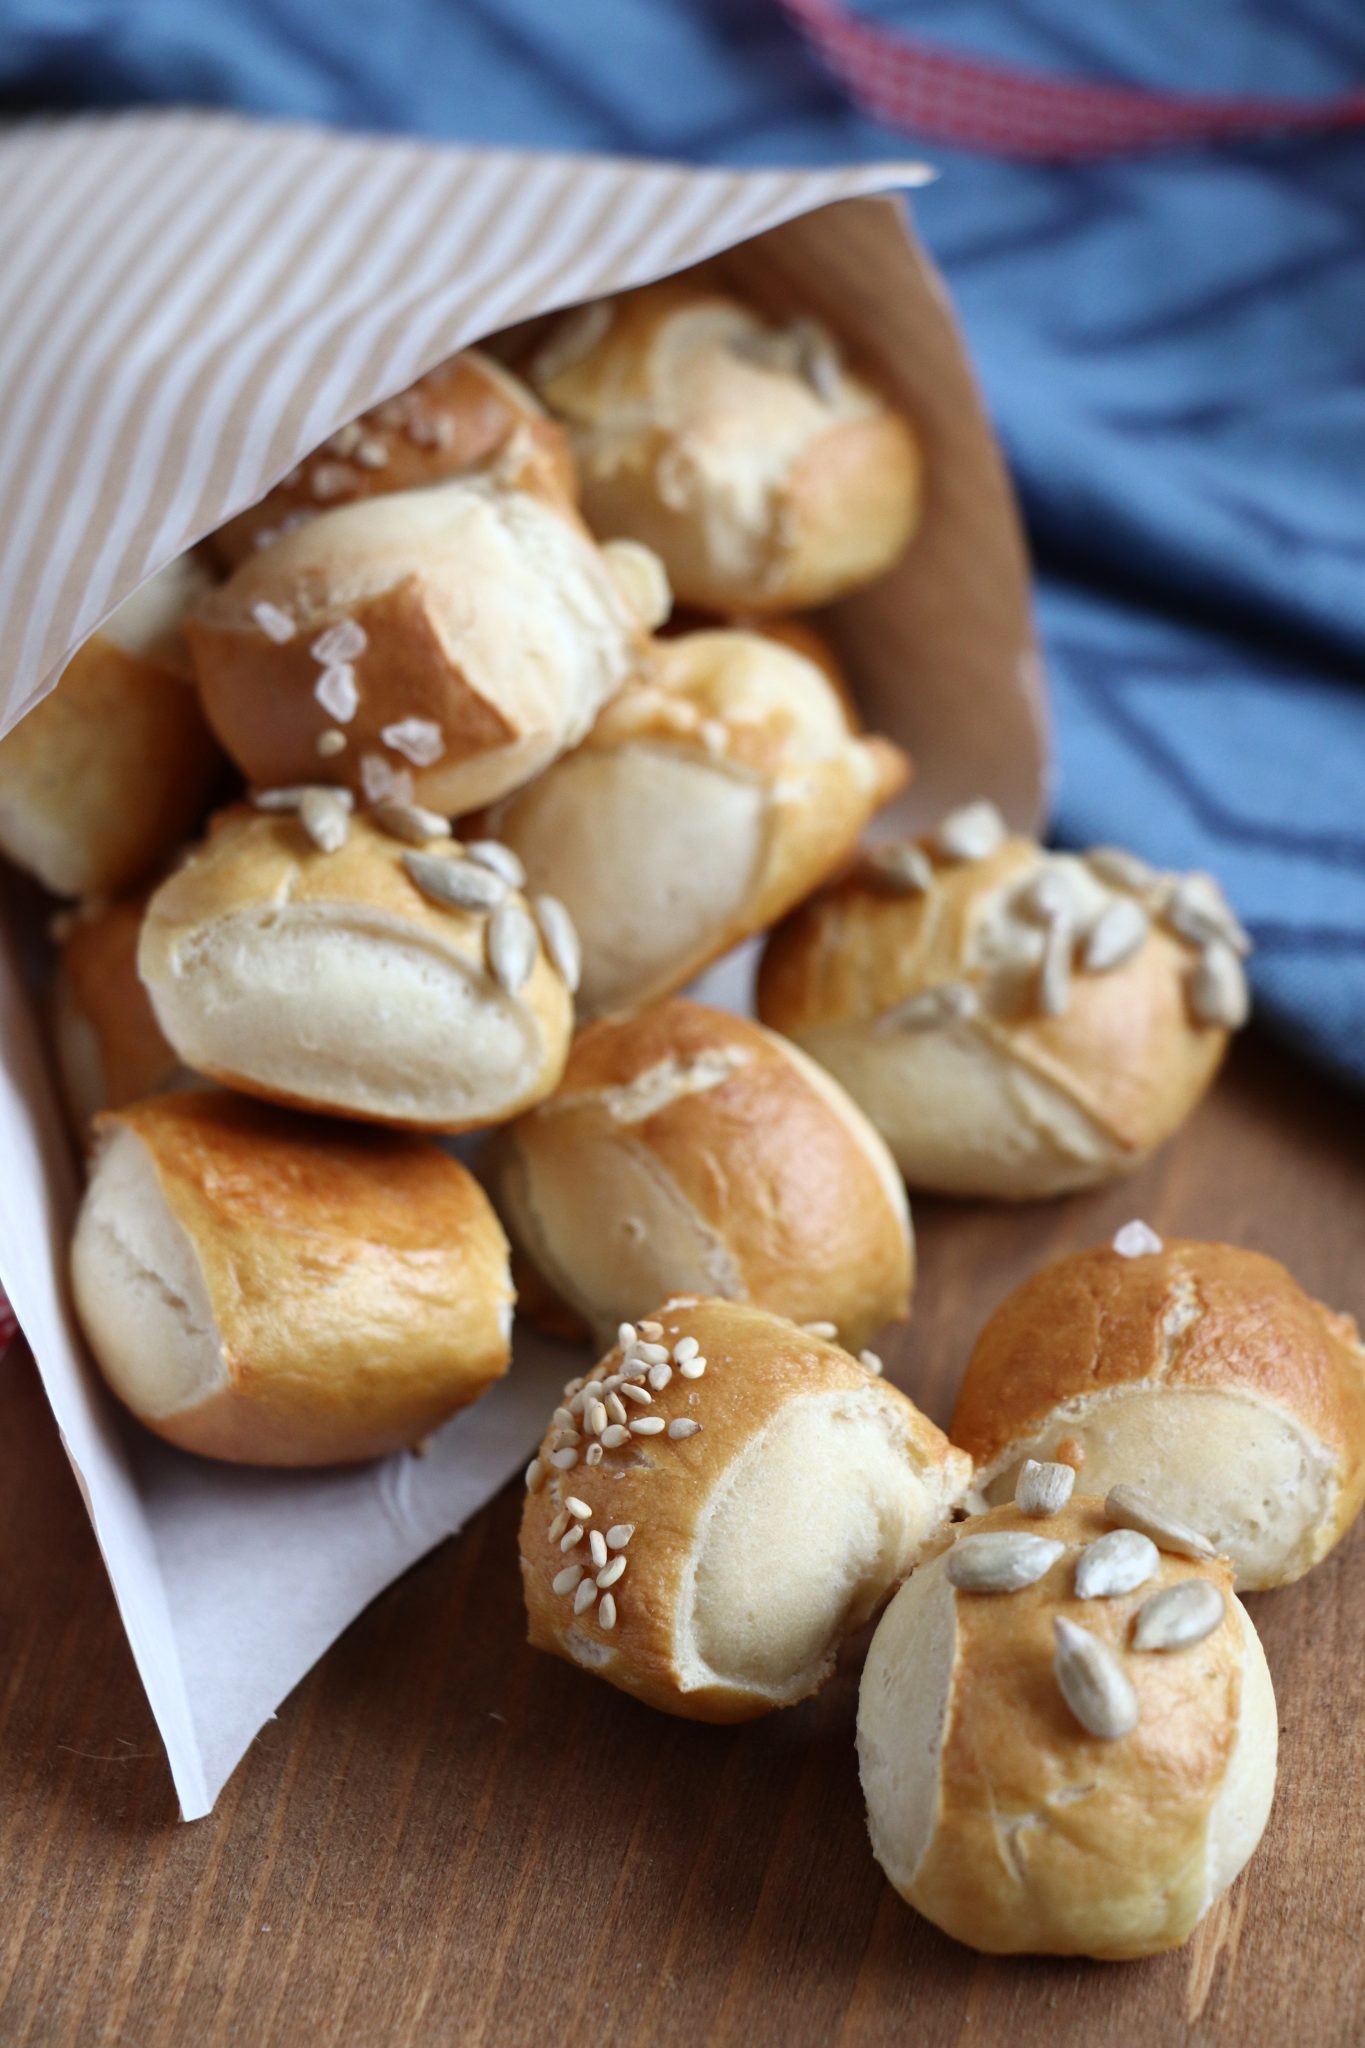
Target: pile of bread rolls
point(403, 810)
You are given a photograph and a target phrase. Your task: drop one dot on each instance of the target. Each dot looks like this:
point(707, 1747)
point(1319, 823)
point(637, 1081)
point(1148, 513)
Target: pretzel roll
point(722, 1501)
point(767, 475)
point(107, 774)
point(401, 983)
point(447, 643)
point(1202, 1371)
point(1065, 1749)
point(278, 1291)
point(687, 1148)
point(469, 413)
point(705, 801)
point(110, 1048)
point(1015, 1022)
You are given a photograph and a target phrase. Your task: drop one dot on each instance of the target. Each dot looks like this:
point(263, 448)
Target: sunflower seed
point(273, 621)
point(409, 822)
point(1054, 969)
point(1199, 911)
point(817, 358)
point(1121, 869)
point(1218, 988)
point(345, 641)
point(901, 870)
point(1043, 1489)
point(419, 740)
point(1130, 1508)
point(325, 819)
point(952, 1002)
point(512, 947)
point(642, 581)
point(1117, 1563)
point(827, 1331)
point(1045, 895)
point(1178, 1616)
point(871, 1363)
point(561, 940)
point(1117, 933)
point(1093, 1682)
point(1002, 1562)
point(379, 779)
point(458, 884)
point(491, 853)
point(291, 799)
point(1136, 1240)
point(971, 832)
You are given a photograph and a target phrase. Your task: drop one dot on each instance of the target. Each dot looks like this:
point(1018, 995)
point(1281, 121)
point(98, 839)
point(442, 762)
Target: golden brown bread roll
point(689, 1149)
point(1037, 1782)
point(404, 983)
point(110, 1048)
point(760, 1498)
point(447, 643)
point(279, 1291)
point(1201, 1370)
point(706, 800)
point(469, 413)
point(765, 473)
point(110, 771)
point(1015, 1022)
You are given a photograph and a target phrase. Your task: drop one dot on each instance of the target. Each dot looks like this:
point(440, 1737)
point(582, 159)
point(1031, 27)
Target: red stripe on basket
point(8, 1326)
point(1003, 111)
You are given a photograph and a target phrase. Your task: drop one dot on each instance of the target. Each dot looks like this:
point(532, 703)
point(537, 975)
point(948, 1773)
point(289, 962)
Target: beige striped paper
point(190, 302)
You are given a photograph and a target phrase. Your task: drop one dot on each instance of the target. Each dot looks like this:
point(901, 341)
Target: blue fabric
point(1173, 347)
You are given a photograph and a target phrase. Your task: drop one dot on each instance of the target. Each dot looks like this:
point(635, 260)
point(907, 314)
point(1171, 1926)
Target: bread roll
point(686, 1148)
point(109, 772)
point(447, 643)
point(703, 804)
point(762, 1495)
point(110, 1048)
point(1015, 1022)
point(1036, 1783)
point(469, 413)
point(1202, 1372)
point(275, 1291)
point(399, 983)
point(766, 474)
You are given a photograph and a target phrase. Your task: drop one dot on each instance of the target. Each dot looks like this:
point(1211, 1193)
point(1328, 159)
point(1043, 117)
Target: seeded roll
point(1016, 1023)
point(271, 1290)
point(444, 644)
point(689, 1149)
point(110, 1048)
point(767, 475)
point(1201, 1370)
point(109, 772)
point(1054, 1772)
point(468, 414)
point(361, 964)
point(719, 1504)
point(705, 802)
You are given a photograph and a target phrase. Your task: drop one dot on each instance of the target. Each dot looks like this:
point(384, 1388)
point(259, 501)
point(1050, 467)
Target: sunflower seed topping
point(409, 822)
point(512, 947)
point(1137, 1240)
point(1198, 910)
point(1003, 1561)
point(1093, 1682)
point(871, 1363)
point(1117, 933)
point(291, 799)
point(561, 940)
point(1118, 1562)
point(971, 832)
point(456, 884)
point(1178, 1616)
point(826, 1331)
point(491, 853)
point(1130, 1508)
point(1054, 970)
point(900, 870)
point(1121, 869)
point(1043, 1488)
point(325, 818)
point(951, 1002)
point(1218, 988)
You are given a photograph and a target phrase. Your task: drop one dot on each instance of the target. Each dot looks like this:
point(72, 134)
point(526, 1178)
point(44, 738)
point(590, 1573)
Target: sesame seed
point(616, 1407)
point(659, 1376)
point(634, 1393)
point(273, 621)
point(685, 1348)
point(597, 1417)
point(692, 1368)
point(565, 1460)
point(572, 1387)
point(597, 1544)
point(584, 1597)
point(612, 1572)
point(571, 1536)
point(829, 1331)
point(652, 1354)
point(619, 1535)
point(558, 1526)
point(613, 1436)
point(565, 1581)
point(633, 1373)
point(563, 1418)
point(579, 1402)
point(651, 1329)
point(871, 1361)
point(611, 1383)
point(592, 1390)
point(606, 1611)
point(625, 1335)
point(593, 1454)
point(648, 1425)
point(579, 1509)
point(683, 1425)
point(535, 1475)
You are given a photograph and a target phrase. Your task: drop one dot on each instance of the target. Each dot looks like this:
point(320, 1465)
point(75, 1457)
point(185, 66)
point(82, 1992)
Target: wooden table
point(445, 1838)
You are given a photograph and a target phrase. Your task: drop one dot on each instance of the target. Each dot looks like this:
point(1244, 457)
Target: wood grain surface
point(447, 1839)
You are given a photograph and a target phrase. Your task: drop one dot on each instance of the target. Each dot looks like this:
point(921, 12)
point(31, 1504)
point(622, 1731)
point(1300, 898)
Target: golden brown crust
point(358, 1279)
point(1014, 1753)
point(1097, 1320)
point(760, 1158)
point(98, 983)
point(466, 414)
point(756, 1363)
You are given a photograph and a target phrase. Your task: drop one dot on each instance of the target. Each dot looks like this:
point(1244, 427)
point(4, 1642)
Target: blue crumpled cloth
point(1173, 348)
